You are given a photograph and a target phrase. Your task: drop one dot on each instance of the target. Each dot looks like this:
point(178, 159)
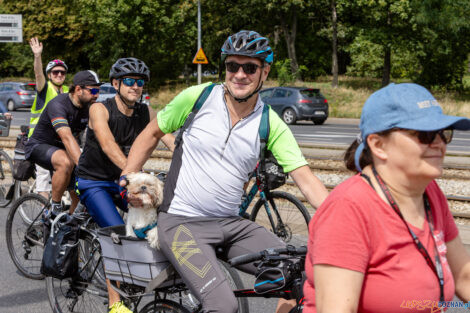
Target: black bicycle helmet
point(248, 43)
point(129, 66)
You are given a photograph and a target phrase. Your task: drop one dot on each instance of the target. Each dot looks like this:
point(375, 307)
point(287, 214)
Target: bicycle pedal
point(27, 248)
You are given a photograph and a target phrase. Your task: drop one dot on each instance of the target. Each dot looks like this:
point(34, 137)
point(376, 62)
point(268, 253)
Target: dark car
point(108, 91)
point(297, 103)
point(17, 95)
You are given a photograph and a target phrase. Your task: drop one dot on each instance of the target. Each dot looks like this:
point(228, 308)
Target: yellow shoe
point(119, 307)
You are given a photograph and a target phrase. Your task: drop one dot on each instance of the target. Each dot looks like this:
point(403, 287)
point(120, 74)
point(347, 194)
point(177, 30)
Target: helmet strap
point(127, 103)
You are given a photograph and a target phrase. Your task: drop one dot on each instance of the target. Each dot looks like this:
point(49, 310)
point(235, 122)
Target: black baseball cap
point(86, 78)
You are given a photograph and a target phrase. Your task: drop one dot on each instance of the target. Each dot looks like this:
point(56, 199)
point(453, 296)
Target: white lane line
point(325, 136)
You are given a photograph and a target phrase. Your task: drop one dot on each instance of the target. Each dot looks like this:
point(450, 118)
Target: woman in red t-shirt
point(385, 240)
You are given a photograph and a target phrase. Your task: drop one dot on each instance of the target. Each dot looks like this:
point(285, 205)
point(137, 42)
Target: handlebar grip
point(243, 259)
point(247, 258)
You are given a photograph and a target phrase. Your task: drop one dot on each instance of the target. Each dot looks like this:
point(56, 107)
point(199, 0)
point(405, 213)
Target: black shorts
point(41, 154)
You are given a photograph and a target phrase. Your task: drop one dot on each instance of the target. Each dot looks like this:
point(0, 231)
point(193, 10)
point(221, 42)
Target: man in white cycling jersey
point(209, 168)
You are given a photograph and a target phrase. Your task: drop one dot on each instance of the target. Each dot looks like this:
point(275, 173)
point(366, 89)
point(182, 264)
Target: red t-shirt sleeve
point(441, 208)
point(341, 236)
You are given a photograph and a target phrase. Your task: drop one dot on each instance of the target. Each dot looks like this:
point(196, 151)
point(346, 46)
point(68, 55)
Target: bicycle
point(26, 231)
point(140, 264)
point(10, 188)
point(283, 213)
point(6, 178)
point(281, 274)
point(171, 295)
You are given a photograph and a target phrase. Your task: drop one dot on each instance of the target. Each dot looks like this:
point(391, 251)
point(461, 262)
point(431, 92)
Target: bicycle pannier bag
point(273, 172)
point(272, 278)
point(22, 168)
point(60, 257)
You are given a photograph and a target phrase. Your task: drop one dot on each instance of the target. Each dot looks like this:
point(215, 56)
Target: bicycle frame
point(264, 197)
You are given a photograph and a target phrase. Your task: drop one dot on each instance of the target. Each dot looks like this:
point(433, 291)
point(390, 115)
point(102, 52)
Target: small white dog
point(143, 219)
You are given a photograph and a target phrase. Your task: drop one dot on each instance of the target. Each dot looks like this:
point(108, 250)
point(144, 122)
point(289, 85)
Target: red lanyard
point(437, 267)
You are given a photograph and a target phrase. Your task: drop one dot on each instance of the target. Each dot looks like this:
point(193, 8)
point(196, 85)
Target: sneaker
point(56, 209)
point(119, 307)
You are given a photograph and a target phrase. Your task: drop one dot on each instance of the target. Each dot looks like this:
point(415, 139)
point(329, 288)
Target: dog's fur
point(150, 190)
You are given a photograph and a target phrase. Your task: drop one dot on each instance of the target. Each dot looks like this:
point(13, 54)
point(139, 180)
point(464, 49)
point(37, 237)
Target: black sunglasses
point(57, 72)
point(248, 68)
point(427, 138)
point(93, 91)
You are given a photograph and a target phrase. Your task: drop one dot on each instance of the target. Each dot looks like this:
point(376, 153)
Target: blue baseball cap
point(408, 106)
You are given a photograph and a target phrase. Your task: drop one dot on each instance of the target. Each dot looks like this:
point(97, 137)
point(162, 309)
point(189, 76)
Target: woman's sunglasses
point(131, 81)
point(57, 72)
point(427, 138)
point(248, 68)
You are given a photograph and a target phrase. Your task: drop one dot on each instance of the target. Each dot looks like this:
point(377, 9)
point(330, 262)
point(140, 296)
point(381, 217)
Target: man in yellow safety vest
point(56, 71)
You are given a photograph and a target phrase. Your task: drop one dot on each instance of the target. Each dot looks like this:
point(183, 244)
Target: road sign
point(200, 57)
point(11, 28)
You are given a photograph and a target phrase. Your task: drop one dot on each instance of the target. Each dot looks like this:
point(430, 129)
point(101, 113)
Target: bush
point(284, 72)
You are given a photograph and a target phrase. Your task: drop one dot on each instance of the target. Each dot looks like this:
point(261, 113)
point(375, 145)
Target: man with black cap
point(53, 144)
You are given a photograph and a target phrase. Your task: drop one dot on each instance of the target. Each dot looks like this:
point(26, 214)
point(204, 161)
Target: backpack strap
point(263, 131)
point(197, 106)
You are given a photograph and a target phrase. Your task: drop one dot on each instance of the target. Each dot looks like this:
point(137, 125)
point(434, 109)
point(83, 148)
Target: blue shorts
point(101, 199)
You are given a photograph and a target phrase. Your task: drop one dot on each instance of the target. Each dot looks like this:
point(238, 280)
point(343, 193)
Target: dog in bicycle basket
point(142, 221)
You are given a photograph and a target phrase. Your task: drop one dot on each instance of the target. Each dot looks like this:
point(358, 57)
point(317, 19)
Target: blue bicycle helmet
point(248, 43)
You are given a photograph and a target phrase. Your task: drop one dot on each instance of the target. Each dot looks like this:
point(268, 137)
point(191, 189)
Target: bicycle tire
point(188, 301)
point(6, 178)
point(293, 215)
point(82, 293)
point(164, 306)
point(24, 187)
point(235, 283)
point(25, 254)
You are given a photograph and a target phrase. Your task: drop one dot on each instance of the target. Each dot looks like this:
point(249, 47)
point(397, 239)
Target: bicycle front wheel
point(25, 239)
point(86, 292)
point(164, 306)
point(284, 215)
point(6, 178)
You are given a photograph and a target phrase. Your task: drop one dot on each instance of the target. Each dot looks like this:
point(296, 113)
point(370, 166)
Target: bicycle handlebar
point(266, 254)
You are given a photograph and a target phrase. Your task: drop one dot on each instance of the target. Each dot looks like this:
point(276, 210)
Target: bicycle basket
point(4, 126)
point(129, 259)
point(272, 278)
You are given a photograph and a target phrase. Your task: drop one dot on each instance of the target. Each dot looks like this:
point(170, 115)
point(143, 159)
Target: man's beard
point(86, 103)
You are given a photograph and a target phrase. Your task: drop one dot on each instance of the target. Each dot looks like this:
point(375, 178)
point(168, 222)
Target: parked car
point(297, 103)
point(17, 95)
point(108, 91)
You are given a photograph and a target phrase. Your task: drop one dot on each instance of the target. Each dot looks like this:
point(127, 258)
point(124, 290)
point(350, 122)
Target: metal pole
point(199, 66)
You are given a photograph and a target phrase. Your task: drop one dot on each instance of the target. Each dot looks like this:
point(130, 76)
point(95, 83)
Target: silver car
point(17, 95)
point(108, 91)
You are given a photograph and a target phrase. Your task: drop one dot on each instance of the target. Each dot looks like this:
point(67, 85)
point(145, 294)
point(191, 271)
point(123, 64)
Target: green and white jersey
point(217, 158)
